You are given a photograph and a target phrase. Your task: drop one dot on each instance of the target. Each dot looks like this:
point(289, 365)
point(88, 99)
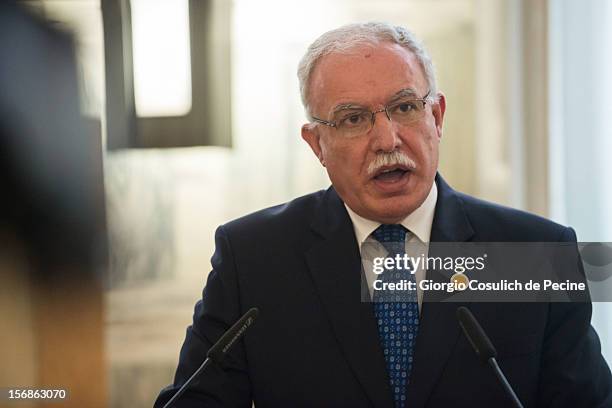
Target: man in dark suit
point(375, 124)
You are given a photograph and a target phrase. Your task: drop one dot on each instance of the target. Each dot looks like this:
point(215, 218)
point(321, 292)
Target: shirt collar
point(418, 222)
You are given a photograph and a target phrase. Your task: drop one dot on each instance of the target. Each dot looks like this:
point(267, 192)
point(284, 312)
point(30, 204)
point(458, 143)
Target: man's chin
point(394, 210)
point(386, 208)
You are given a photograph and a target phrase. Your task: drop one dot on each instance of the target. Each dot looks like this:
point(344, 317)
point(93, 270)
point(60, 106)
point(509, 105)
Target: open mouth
point(391, 174)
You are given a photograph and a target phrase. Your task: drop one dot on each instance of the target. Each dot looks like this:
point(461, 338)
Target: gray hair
point(344, 39)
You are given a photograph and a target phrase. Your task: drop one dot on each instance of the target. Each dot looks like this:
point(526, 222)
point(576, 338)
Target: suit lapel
point(439, 330)
point(335, 266)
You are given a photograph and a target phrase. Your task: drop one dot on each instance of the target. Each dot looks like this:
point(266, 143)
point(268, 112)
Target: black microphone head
point(218, 351)
point(475, 334)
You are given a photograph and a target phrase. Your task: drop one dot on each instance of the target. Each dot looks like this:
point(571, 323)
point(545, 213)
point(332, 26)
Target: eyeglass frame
point(423, 100)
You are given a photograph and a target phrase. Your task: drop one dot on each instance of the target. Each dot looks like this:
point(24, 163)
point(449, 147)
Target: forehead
point(367, 75)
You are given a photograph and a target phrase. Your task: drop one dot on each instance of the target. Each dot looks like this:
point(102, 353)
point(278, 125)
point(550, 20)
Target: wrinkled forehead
point(366, 75)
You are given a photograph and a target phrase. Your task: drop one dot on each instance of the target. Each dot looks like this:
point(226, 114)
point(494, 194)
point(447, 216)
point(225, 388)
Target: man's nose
point(384, 133)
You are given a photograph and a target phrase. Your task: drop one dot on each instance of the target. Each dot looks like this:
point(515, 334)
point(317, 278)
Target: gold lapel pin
point(460, 281)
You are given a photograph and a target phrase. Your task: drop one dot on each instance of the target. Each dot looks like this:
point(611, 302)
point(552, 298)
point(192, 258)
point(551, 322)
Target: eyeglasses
point(352, 121)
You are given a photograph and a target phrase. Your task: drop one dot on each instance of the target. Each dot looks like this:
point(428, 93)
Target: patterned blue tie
point(397, 314)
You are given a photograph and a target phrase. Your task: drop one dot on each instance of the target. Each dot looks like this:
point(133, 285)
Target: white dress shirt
point(418, 223)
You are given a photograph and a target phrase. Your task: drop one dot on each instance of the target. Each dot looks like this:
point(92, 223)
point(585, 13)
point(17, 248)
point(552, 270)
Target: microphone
point(484, 349)
point(219, 350)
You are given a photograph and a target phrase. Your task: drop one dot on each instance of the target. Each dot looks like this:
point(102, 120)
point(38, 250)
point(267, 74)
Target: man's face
point(371, 77)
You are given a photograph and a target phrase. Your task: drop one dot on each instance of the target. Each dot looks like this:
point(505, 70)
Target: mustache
point(390, 159)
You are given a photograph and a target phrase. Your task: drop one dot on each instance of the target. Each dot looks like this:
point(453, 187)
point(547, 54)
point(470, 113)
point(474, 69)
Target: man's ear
point(438, 110)
point(311, 135)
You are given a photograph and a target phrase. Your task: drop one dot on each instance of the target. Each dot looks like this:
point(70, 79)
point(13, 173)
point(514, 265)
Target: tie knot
point(390, 233)
point(391, 236)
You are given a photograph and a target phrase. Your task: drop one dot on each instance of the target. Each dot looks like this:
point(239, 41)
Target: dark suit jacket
point(315, 344)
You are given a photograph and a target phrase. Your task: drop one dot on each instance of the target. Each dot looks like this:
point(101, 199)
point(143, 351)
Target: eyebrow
point(406, 92)
point(403, 93)
point(347, 106)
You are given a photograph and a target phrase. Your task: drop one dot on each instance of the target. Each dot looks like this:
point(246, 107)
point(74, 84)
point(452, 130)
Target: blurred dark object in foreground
point(50, 160)
point(52, 223)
